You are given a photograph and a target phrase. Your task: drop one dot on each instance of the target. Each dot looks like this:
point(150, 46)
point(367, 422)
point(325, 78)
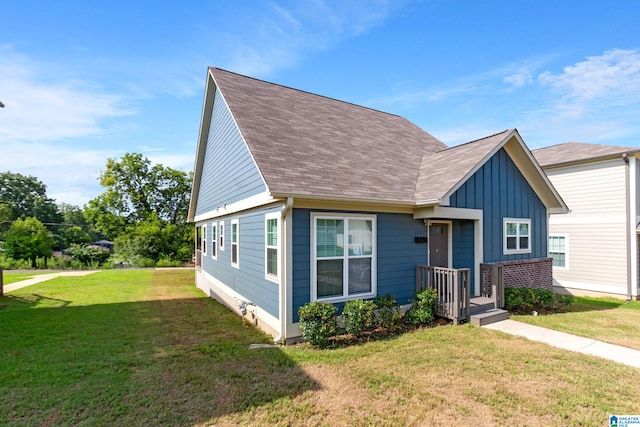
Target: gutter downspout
point(282, 339)
point(627, 196)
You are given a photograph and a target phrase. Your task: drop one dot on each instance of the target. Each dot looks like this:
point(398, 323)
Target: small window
point(272, 258)
point(235, 238)
point(214, 240)
point(204, 239)
point(558, 250)
point(517, 236)
point(221, 236)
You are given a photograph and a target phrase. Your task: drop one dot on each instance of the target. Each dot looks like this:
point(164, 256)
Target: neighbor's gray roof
point(573, 152)
point(307, 144)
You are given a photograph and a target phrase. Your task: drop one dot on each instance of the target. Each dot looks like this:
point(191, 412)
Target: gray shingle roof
point(444, 170)
point(571, 152)
point(307, 144)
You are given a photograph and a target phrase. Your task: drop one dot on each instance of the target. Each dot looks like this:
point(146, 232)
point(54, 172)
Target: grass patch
point(607, 319)
point(148, 348)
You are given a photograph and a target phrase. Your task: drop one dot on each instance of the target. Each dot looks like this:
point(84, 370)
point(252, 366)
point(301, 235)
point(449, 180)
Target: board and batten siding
point(228, 170)
point(501, 191)
point(595, 226)
point(397, 255)
point(247, 282)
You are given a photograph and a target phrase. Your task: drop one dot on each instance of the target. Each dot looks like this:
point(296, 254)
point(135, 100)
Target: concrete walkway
point(566, 341)
point(43, 278)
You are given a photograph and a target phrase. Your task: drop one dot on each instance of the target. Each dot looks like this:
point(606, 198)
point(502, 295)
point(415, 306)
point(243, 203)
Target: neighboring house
point(595, 246)
point(299, 197)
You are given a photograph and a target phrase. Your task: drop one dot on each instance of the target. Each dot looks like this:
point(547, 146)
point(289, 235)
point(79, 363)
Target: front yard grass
point(148, 348)
point(606, 319)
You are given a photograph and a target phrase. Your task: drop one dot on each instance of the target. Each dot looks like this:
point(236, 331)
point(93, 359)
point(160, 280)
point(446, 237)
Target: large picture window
point(272, 259)
point(235, 246)
point(558, 250)
point(517, 236)
point(344, 256)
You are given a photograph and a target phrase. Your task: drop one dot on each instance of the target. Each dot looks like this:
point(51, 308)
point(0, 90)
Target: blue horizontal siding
point(229, 173)
point(397, 256)
point(248, 280)
point(501, 191)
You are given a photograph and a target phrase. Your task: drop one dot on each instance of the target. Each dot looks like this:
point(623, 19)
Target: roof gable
point(310, 145)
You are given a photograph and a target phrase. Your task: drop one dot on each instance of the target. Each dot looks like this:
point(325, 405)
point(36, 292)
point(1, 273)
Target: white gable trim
point(261, 199)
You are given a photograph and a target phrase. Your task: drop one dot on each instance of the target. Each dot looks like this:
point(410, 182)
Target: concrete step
point(488, 317)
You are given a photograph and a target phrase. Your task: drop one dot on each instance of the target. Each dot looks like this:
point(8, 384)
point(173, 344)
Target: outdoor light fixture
point(1, 105)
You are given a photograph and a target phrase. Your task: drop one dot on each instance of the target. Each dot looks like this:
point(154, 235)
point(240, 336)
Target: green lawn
point(607, 319)
point(147, 348)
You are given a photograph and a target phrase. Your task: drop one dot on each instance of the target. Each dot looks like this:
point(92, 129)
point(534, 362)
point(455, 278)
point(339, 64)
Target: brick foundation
point(528, 273)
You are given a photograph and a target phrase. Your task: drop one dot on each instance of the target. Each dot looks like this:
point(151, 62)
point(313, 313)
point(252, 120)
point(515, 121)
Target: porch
point(454, 300)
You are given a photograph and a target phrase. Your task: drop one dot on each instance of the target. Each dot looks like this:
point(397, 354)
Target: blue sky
point(87, 81)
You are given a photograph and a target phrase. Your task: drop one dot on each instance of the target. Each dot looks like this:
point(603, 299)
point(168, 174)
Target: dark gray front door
point(439, 245)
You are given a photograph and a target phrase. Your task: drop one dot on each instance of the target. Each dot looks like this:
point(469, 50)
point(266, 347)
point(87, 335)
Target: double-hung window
point(558, 250)
point(517, 236)
point(272, 259)
point(221, 236)
point(344, 256)
point(235, 247)
point(214, 240)
point(204, 239)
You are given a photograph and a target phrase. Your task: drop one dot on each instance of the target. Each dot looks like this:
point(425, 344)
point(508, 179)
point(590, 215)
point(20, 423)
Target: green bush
point(423, 308)
point(525, 300)
point(318, 323)
point(359, 316)
point(388, 312)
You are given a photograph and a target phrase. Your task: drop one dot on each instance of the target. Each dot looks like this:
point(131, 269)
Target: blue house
point(298, 197)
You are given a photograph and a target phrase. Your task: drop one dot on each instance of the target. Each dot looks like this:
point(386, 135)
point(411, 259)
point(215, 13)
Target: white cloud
point(40, 111)
point(520, 79)
point(284, 34)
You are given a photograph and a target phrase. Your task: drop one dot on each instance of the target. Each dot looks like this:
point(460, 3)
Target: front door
point(439, 244)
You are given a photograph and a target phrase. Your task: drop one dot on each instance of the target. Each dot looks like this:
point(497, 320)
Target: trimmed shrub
point(318, 323)
point(423, 308)
point(358, 316)
point(525, 300)
point(388, 313)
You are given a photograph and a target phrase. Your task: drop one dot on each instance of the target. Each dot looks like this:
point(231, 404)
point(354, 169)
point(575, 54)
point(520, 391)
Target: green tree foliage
point(25, 196)
point(143, 209)
point(28, 239)
point(90, 255)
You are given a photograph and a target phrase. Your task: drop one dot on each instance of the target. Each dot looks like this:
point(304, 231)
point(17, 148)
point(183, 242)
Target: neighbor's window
point(517, 236)
point(343, 256)
point(204, 239)
point(235, 230)
point(214, 240)
point(558, 250)
point(271, 247)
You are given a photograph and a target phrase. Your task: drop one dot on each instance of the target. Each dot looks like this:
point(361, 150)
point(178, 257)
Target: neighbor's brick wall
point(529, 273)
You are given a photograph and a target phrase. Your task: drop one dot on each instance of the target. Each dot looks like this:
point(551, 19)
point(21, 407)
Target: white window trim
point(314, 260)
point(204, 239)
point(276, 215)
point(214, 240)
point(566, 250)
point(518, 221)
point(221, 236)
point(235, 222)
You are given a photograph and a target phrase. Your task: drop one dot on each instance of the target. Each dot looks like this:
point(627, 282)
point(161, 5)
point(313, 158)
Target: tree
point(26, 196)
point(28, 239)
point(136, 189)
point(144, 209)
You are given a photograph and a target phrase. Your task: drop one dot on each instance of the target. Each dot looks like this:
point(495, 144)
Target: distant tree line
point(143, 210)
